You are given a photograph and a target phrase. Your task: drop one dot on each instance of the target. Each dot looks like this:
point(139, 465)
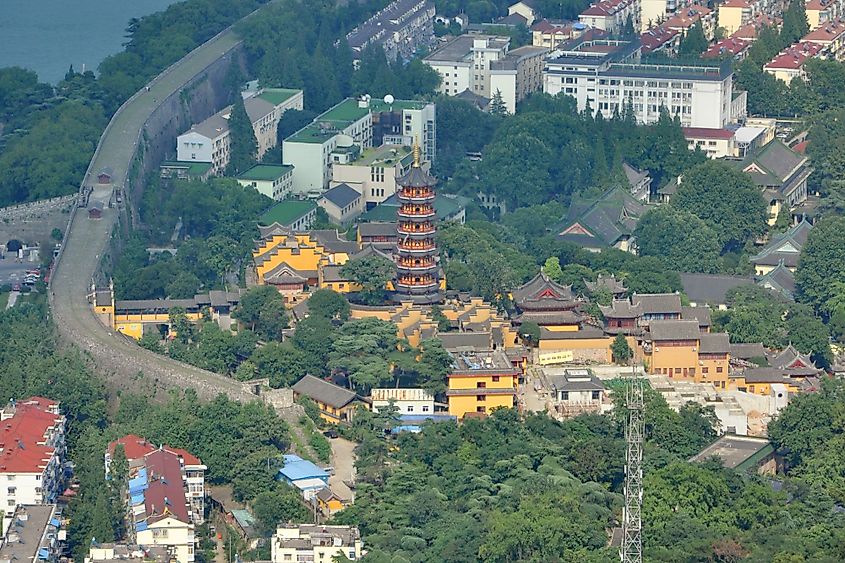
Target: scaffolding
point(631, 548)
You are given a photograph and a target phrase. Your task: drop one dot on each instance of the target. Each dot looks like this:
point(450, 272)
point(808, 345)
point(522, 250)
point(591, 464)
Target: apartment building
point(464, 63)
point(340, 134)
point(733, 14)
point(137, 449)
point(32, 454)
point(831, 37)
point(400, 29)
point(611, 15)
point(823, 11)
point(685, 18)
point(273, 180)
point(545, 33)
point(606, 74)
point(789, 63)
point(660, 39)
point(518, 74)
point(316, 544)
point(480, 381)
point(655, 12)
point(34, 535)
point(208, 141)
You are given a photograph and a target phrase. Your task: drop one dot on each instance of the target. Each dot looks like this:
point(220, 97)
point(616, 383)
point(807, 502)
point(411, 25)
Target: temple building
point(547, 303)
point(417, 277)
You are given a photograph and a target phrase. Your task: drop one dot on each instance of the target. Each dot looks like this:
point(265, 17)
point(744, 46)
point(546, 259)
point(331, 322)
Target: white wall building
point(408, 401)
point(373, 174)
point(208, 141)
point(338, 136)
point(273, 180)
point(32, 454)
point(464, 63)
point(518, 74)
point(318, 544)
point(611, 15)
point(400, 28)
point(607, 74)
point(577, 391)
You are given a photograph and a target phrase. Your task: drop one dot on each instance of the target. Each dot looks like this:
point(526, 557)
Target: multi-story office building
point(400, 29)
point(208, 141)
point(605, 75)
point(340, 134)
point(484, 66)
point(32, 453)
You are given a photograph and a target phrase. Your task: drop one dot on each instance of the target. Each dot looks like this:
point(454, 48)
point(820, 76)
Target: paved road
point(87, 239)
point(13, 298)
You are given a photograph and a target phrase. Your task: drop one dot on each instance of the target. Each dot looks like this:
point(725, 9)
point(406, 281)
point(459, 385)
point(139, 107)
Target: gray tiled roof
point(474, 340)
point(653, 303)
point(714, 343)
point(341, 195)
point(701, 314)
point(747, 351)
point(324, 392)
point(674, 330)
point(710, 288)
point(377, 229)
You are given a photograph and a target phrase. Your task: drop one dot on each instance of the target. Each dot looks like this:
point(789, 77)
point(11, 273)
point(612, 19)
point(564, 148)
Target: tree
point(685, 242)
point(434, 364)
point(726, 199)
point(328, 304)
point(262, 310)
point(371, 273)
point(530, 331)
point(822, 263)
point(694, 42)
point(497, 104)
point(283, 363)
point(180, 324)
point(795, 24)
point(243, 147)
point(282, 504)
point(551, 267)
point(621, 351)
point(516, 169)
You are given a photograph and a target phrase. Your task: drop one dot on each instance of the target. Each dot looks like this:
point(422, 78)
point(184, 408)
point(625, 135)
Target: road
point(13, 298)
point(343, 460)
point(87, 239)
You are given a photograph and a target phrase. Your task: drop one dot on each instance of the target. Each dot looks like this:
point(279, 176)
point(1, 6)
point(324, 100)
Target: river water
point(48, 36)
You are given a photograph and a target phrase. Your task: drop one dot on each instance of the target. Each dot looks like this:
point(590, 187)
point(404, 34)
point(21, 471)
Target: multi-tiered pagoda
point(417, 267)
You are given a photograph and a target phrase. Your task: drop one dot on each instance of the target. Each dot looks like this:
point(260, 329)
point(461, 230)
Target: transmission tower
point(631, 550)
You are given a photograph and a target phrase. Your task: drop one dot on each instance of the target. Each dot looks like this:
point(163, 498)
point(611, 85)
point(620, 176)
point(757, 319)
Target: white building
point(577, 391)
point(373, 173)
point(208, 141)
point(317, 544)
point(611, 15)
point(273, 180)
point(32, 454)
point(341, 133)
point(518, 74)
point(464, 63)
point(342, 204)
point(606, 75)
point(408, 401)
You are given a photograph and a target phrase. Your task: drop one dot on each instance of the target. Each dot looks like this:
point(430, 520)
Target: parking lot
point(13, 272)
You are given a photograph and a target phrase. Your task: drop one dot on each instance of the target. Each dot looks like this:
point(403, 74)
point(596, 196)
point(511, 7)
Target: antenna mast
point(631, 550)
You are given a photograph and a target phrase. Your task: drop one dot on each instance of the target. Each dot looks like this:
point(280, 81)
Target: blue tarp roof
point(140, 526)
point(138, 484)
point(137, 499)
point(43, 553)
point(55, 522)
point(424, 417)
point(407, 428)
point(297, 468)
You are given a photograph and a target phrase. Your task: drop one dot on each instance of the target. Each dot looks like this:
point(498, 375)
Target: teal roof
point(265, 172)
point(444, 207)
point(287, 212)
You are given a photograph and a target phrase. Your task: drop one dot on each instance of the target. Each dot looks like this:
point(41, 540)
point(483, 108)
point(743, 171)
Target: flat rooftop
point(23, 538)
point(287, 211)
point(265, 172)
point(473, 361)
point(194, 168)
point(735, 450)
point(384, 156)
point(277, 96)
point(460, 48)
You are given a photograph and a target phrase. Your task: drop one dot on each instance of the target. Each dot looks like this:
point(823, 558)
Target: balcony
point(417, 265)
point(416, 211)
point(422, 229)
point(414, 194)
point(414, 248)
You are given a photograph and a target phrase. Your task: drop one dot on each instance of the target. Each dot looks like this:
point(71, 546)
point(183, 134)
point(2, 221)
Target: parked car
point(330, 434)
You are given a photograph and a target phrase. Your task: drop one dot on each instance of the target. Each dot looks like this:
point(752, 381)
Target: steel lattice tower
point(631, 550)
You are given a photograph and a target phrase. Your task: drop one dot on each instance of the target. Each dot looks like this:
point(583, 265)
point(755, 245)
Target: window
point(480, 409)
point(160, 533)
point(288, 557)
point(495, 379)
point(480, 385)
point(11, 490)
point(596, 395)
point(425, 408)
point(564, 395)
point(480, 398)
point(719, 369)
point(705, 370)
point(11, 502)
point(410, 408)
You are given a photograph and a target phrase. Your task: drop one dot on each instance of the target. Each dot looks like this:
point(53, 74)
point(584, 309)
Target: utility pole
point(631, 550)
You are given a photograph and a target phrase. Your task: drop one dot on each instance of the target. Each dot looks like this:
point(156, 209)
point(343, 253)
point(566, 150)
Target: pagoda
point(417, 265)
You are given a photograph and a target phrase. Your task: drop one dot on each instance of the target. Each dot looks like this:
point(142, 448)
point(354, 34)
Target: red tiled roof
point(41, 402)
point(545, 26)
point(656, 37)
point(595, 11)
point(826, 33)
point(801, 147)
point(165, 495)
point(137, 447)
point(23, 438)
point(735, 4)
point(707, 133)
point(731, 45)
point(794, 56)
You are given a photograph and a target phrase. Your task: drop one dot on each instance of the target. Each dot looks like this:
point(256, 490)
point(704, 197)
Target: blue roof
point(43, 553)
point(416, 429)
point(296, 468)
point(419, 418)
point(55, 522)
point(137, 499)
point(140, 526)
point(244, 517)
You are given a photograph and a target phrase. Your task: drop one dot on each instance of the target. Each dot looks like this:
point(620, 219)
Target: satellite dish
point(389, 99)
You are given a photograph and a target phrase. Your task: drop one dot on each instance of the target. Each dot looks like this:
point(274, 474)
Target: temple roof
point(780, 279)
point(793, 361)
point(785, 247)
point(606, 282)
point(621, 309)
point(652, 303)
point(541, 292)
point(416, 178)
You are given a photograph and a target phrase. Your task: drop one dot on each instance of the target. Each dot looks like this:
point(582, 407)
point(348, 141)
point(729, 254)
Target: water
point(48, 36)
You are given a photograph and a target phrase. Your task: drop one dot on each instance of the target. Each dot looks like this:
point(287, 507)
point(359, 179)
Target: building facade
point(32, 454)
point(612, 15)
point(605, 75)
point(464, 63)
point(373, 174)
point(273, 180)
point(517, 75)
point(208, 141)
point(481, 381)
point(407, 401)
point(318, 544)
point(400, 29)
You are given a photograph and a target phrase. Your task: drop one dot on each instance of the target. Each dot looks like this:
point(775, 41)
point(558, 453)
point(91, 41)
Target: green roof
point(265, 172)
point(287, 212)
point(444, 207)
point(344, 114)
point(277, 96)
point(194, 168)
point(385, 156)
